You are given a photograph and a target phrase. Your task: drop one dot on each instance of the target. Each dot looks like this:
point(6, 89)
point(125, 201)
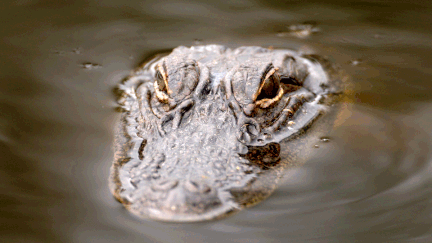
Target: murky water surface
point(60, 61)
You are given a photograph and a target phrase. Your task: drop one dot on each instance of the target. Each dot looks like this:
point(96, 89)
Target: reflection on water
point(371, 181)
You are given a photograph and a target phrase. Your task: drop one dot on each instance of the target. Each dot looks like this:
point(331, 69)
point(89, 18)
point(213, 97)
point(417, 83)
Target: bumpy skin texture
point(201, 128)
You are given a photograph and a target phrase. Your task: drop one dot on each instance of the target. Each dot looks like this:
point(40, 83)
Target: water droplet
point(378, 36)
point(281, 34)
point(77, 50)
point(300, 30)
point(316, 146)
point(59, 52)
point(90, 66)
point(198, 42)
point(355, 62)
point(325, 139)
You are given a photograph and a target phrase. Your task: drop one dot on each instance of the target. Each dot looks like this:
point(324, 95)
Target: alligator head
point(201, 128)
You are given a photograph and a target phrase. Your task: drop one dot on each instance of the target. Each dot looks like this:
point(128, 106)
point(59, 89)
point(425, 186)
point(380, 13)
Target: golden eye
point(161, 84)
point(270, 91)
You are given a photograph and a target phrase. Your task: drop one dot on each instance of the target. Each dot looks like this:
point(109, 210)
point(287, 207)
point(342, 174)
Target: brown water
point(60, 61)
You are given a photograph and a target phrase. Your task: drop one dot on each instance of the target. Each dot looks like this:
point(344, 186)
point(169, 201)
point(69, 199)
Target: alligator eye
point(270, 90)
point(161, 84)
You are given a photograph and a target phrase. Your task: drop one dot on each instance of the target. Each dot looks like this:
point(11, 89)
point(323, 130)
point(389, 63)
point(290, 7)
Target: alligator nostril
point(191, 186)
point(205, 189)
point(164, 185)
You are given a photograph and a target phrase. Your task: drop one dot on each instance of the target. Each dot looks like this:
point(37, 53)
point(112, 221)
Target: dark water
point(60, 61)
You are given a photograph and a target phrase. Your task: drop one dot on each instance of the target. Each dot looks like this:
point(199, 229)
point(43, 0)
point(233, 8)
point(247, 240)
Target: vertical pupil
point(160, 81)
point(269, 89)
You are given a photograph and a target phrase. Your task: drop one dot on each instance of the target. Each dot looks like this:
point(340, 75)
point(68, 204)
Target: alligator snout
point(191, 197)
point(185, 200)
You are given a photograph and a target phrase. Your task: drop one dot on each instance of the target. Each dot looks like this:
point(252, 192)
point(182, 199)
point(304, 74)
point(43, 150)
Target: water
point(60, 61)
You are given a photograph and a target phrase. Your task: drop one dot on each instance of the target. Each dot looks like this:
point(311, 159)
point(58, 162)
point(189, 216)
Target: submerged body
point(202, 127)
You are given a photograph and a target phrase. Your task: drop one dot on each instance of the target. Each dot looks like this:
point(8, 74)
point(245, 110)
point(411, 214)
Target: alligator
point(206, 131)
